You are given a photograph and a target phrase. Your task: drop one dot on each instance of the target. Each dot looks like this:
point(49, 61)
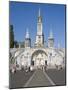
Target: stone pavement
point(39, 78)
point(58, 76)
point(18, 79)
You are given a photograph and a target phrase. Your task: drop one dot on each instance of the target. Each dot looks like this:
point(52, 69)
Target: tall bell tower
point(39, 37)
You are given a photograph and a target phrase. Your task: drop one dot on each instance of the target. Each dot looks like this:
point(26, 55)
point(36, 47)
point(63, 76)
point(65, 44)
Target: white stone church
point(39, 55)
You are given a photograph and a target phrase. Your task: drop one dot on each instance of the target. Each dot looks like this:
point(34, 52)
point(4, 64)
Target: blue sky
point(24, 15)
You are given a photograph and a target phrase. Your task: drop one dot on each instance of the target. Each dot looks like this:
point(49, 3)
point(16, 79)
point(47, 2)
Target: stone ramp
point(39, 78)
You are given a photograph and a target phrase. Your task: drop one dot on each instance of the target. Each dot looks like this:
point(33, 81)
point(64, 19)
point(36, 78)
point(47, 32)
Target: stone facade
point(39, 56)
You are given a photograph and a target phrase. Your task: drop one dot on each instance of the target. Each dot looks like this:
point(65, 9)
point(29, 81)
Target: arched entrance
point(39, 59)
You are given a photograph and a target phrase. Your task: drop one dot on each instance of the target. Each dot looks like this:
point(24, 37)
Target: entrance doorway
point(38, 59)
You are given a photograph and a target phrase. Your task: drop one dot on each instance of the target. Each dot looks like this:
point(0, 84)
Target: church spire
point(39, 12)
point(27, 33)
point(51, 39)
point(27, 39)
point(39, 16)
point(51, 33)
point(39, 37)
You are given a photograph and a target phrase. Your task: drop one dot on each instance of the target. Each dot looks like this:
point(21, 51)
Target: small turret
point(51, 39)
point(27, 39)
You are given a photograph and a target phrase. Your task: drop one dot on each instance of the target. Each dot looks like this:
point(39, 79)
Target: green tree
point(11, 36)
point(16, 44)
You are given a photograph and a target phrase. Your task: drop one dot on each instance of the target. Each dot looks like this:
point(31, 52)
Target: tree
point(11, 36)
point(16, 44)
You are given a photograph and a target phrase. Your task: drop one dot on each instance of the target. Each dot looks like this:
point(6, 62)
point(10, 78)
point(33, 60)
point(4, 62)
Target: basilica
point(39, 55)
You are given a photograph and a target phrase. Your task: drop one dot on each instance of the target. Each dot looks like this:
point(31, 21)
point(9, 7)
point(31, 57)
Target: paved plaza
point(58, 77)
point(18, 79)
point(38, 78)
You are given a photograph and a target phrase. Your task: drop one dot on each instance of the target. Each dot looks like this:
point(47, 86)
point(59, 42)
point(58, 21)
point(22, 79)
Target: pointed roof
point(27, 33)
point(39, 12)
point(51, 33)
